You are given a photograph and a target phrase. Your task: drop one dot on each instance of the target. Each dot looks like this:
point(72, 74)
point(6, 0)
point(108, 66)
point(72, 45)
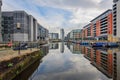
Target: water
point(66, 61)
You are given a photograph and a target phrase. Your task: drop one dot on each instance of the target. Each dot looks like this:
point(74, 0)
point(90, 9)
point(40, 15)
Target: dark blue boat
point(99, 44)
point(111, 44)
point(105, 44)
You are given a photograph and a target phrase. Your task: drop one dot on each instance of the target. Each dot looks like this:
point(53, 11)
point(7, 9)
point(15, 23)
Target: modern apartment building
point(75, 34)
point(15, 26)
point(20, 26)
point(62, 33)
point(100, 29)
point(53, 36)
point(87, 32)
point(7, 26)
point(42, 33)
point(102, 26)
point(68, 36)
point(0, 22)
point(116, 19)
point(32, 28)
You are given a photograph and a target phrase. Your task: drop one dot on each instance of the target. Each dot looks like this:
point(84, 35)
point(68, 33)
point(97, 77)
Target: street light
point(18, 27)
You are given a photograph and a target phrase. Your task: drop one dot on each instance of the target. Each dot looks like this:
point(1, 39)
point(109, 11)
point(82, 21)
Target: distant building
point(87, 32)
point(62, 34)
point(68, 36)
point(116, 18)
point(0, 23)
point(53, 36)
point(75, 35)
point(42, 33)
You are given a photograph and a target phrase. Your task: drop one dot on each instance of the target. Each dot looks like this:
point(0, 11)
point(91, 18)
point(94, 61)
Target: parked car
point(21, 46)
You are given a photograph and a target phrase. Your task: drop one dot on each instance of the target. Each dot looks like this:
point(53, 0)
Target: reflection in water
point(74, 48)
point(78, 63)
point(32, 68)
point(105, 60)
point(45, 49)
point(28, 72)
point(116, 65)
point(68, 66)
point(102, 60)
point(53, 46)
point(62, 47)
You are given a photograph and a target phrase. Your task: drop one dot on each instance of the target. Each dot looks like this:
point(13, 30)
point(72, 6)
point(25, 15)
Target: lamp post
point(18, 28)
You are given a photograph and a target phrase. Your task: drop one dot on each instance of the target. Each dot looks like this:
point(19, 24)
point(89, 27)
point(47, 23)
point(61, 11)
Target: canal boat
point(99, 44)
point(84, 43)
point(104, 44)
point(111, 44)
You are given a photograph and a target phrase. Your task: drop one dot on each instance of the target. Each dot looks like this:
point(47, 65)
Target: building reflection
point(116, 67)
point(101, 59)
point(62, 47)
point(74, 48)
point(105, 60)
point(53, 46)
point(45, 49)
point(68, 45)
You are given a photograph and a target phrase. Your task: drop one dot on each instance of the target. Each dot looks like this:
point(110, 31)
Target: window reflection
point(62, 47)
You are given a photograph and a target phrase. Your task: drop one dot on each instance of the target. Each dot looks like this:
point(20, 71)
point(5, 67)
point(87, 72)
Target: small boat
point(111, 44)
point(99, 44)
point(105, 44)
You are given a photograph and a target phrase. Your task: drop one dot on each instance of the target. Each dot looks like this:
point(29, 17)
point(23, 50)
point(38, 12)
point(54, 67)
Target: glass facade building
point(20, 26)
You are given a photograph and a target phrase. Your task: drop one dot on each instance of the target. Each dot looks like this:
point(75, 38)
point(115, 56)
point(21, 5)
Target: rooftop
point(101, 14)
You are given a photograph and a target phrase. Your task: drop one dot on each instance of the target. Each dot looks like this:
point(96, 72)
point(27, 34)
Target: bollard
point(19, 48)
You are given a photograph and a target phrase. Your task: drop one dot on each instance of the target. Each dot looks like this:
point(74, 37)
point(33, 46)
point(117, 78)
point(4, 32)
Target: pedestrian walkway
point(9, 54)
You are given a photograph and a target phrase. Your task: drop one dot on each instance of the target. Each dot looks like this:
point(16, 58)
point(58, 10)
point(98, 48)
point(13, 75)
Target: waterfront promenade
point(13, 62)
point(9, 54)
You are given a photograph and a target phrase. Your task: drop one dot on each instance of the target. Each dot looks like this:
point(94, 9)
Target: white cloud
point(82, 11)
point(68, 4)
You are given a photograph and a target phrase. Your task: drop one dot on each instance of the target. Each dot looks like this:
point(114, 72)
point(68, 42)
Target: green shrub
point(10, 65)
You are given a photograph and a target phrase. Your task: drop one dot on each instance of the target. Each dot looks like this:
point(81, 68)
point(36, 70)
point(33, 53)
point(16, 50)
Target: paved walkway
point(8, 54)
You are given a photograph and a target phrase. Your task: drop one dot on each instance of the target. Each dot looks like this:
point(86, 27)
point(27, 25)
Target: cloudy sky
point(56, 14)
